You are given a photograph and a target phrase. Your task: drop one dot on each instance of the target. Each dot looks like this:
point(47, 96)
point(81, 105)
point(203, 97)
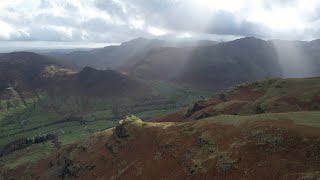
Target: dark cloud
point(115, 10)
point(97, 25)
point(226, 23)
point(279, 3)
point(176, 16)
point(45, 4)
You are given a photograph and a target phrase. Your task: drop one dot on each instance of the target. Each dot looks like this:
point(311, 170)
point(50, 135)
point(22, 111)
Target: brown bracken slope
point(265, 96)
point(266, 149)
point(273, 134)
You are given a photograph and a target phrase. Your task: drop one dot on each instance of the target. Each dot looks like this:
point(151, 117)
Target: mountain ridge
point(241, 60)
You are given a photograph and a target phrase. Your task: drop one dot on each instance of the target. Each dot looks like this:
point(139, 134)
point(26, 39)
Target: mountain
point(267, 129)
point(41, 95)
point(205, 64)
point(29, 72)
point(128, 53)
point(111, 57)
point(213, 67)
point(226, 64)
point(298, 58)
point(190, 43)
point(23, 68)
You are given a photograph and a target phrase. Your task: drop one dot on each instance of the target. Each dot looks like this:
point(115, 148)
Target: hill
point(124, 55)
point(213, 67)
point(40, 95)
point(229, 63)
point(278, 141)
point(112, 57)
point(265, 96)
point(206, 65)
point(29, 72)
point(23, 69)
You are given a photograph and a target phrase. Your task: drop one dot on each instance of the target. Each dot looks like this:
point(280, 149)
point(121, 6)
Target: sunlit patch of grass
point(55, 71)
point(76, 131)
point(163, 125)
point(99, 115)
point(225, 105)
point(29, 155)
point(183, 95)
point(308, 118)
point(154, 113)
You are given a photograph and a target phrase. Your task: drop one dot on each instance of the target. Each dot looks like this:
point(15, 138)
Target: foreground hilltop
point(267, 130)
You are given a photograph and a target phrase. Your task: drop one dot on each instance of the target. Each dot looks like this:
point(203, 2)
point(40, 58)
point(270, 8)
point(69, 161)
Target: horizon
point(98, 23)
point(15, 46)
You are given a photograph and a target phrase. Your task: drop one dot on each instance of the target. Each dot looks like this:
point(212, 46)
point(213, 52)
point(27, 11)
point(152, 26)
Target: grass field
point(29, 155)
point(68, 133)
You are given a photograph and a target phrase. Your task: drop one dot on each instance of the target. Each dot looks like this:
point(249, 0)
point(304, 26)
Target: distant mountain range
point(195, 64)
point(50, 102)
point(129, 52)
point(205, 64)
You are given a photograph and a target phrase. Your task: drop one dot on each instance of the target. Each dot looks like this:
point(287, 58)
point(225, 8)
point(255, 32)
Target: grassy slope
point(307, 118)
point(266, 93)
point(224, 147)
point(97, 111)
point(304, 90)
point(266, 96)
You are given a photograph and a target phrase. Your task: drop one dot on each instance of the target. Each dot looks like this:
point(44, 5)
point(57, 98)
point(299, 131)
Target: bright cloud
point(5, 30)
point(156, 31)
point(115, 21)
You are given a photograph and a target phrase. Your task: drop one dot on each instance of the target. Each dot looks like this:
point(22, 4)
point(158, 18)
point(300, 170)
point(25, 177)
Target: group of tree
point(23, 143)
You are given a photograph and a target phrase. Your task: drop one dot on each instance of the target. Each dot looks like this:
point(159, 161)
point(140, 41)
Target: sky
point(94, 22)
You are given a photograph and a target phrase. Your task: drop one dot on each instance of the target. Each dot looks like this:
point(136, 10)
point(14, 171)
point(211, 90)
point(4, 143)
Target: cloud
point(113, 8)
point(5, 30)
point(114, 21)
point(226, 23)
